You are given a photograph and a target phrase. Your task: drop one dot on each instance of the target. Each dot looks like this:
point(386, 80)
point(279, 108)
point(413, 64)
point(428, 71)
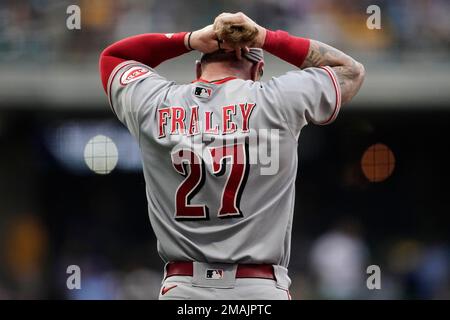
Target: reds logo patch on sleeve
point(134, 74)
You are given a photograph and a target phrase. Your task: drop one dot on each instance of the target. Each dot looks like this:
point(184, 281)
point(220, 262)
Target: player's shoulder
point(130, 74)
point(301, 74)
point(241, 84)
point(300, 80)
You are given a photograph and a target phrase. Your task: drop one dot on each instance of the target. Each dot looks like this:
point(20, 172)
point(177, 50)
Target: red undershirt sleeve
point(287, 47)
point(150, 49)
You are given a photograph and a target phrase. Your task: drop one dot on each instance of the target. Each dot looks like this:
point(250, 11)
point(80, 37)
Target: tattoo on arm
point(350, 73)
point(321, 54)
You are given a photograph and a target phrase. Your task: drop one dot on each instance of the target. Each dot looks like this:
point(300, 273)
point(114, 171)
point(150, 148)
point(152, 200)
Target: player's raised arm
point(305, 53)
point(150, 49)
point(154, 48)
point(350, 72)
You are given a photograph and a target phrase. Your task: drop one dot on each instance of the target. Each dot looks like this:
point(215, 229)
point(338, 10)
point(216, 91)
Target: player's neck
point(210, 74)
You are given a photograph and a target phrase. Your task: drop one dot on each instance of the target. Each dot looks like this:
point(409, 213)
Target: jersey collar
point(218, 81)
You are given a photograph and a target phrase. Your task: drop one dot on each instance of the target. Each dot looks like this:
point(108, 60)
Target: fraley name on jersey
point(191, 121)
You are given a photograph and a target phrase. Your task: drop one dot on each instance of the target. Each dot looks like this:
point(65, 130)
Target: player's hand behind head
point(230, 31)
point(204, 40)
point(238, 32)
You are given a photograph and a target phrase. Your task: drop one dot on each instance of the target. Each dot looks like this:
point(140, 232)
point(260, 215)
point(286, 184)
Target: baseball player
point(224, 224)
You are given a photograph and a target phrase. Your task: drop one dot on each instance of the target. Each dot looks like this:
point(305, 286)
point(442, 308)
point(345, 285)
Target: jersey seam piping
point(337, 105)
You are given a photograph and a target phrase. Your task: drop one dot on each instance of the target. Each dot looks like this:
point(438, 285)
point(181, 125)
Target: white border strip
point(337, 88)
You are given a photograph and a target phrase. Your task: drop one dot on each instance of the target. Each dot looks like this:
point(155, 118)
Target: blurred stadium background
point(55, 212)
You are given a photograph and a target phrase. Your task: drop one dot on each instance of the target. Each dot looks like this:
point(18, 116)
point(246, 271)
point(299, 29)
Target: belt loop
point(165, 273)
point(281, 276)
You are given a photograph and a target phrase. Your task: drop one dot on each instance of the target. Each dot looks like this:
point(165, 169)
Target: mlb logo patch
point(202, 92)
point(214, 274)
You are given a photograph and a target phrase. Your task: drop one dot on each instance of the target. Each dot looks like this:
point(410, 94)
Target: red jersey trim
point(337, 88)
point(220, 81)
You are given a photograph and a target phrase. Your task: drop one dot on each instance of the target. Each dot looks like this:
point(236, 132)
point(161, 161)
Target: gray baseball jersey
point(220, 157)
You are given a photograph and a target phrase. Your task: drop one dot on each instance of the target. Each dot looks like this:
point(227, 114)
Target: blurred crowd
point(36, 29)
point(339, 259)
point(334, 266)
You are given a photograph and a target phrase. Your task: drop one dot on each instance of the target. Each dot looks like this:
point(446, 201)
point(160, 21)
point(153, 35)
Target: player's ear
point(257, 71)
point(198, 69)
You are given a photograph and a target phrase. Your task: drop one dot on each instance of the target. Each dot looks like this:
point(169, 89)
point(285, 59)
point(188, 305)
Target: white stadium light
point(101, 155)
